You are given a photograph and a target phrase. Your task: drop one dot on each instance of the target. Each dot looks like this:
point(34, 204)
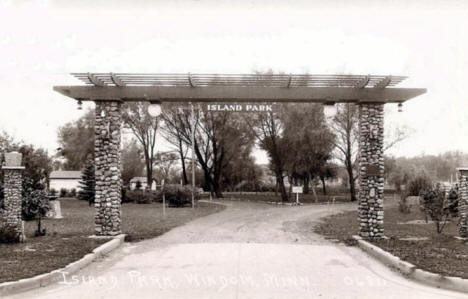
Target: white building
point(143, 182)
point(62, 179)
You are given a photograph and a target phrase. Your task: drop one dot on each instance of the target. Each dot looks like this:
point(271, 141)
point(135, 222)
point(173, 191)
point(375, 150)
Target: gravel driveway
point(249, 250)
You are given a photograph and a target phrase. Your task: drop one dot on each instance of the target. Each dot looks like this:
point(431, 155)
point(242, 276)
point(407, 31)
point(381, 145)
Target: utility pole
point(193, 155)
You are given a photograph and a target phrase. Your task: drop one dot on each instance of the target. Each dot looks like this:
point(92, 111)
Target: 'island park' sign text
point(240, 107)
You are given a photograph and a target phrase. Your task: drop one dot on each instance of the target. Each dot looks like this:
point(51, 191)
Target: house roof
point(138, 178)
point(65, 174)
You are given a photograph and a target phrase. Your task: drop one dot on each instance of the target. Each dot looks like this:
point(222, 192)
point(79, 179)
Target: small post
point(164, 199)
point(13, 189)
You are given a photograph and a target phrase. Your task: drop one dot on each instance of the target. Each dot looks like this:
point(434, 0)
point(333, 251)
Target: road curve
point(249, 250)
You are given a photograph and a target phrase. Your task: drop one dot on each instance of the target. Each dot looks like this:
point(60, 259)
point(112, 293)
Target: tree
point(132, 162)
point(38, 165)
point(268, 129)
point(76, 140)
point(144, 127)
point(241, 172)
point(310, 143)
point(172, 131)
point(345, 125)
point(88, 183)
point(327, 171)
point(219, 137)
point(35, 205)
point(164, 163)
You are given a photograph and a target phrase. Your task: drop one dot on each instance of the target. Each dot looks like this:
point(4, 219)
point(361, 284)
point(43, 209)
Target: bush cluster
point(419, 184)
point(63, 192)
point(35, 204)
point(139, 196)
point(7, 233)
point(176, 195)
point(403, 206)
point(180, 196)
point(436, 205)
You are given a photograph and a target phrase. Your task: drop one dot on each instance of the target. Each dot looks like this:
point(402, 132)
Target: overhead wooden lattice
point(260, 80)
point(239, 88)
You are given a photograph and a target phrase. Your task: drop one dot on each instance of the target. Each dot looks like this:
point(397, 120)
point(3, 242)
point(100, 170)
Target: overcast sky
point(41, 42)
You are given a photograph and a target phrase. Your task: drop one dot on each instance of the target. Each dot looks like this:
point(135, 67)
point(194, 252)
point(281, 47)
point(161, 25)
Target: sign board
point(240, 107)
point(297, 189)
point(373, 170)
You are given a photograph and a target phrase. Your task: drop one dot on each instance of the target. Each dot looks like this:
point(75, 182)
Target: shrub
point(88, 183)
point(452, 199)
point(403, 206)
point(123, 195)
point(8, 234)
point(53, 192)
point(35, 203)
point(419, 184)
point(139, 197)
point(180, 196)
point(35, 206)
point(435, 205)
point(72, 192)
point(63, 192)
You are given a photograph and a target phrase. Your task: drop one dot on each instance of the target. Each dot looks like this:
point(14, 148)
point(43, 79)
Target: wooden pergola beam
point(116, 80)
point(95, 80)
point(384, 82)
point(240, 94)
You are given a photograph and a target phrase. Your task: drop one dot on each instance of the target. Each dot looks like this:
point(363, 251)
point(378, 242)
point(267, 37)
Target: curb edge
point(409, 270)
point(45, 279)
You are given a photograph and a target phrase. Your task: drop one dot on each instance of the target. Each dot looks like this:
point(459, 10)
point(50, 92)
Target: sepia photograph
point(216, 149)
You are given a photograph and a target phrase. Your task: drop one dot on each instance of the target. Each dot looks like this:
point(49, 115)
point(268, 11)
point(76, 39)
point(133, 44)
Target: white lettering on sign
point(297, 189)
point(240, 107)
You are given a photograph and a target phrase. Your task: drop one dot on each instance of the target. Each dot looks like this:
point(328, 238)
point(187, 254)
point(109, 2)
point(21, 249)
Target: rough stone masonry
point(463, 202)
point(371, 171)
point(12, 190)
point(107, 167)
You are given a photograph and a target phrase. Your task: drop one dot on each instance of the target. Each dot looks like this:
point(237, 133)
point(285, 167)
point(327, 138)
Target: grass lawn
point(67, 239)
point(303, 198)
point(440, 253)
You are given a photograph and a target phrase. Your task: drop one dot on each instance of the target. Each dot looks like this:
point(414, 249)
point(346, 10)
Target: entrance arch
point(110, 90)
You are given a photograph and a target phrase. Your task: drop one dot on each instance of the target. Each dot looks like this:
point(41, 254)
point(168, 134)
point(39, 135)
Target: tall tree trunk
point(352, 187)
point(276, 187)
point(182, 159)
point(350, 170)
point(314, 193)
point(216, 185)
point(284, 194)
point(324, 188)
point(149, 171)
point(306, 184)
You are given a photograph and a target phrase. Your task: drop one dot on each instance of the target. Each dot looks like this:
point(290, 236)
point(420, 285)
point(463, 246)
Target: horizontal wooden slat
point(240, 93)
point(124, 79)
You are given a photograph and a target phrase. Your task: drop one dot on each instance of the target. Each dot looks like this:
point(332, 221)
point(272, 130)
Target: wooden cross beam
point(239, 94)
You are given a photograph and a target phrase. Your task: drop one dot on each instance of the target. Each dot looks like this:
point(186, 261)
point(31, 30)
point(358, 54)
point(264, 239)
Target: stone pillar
point(371, 171)
point(12, 190)
point(107, 167)
point(463, 202)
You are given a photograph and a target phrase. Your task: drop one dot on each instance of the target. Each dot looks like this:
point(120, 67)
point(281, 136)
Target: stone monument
point(13, 190)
